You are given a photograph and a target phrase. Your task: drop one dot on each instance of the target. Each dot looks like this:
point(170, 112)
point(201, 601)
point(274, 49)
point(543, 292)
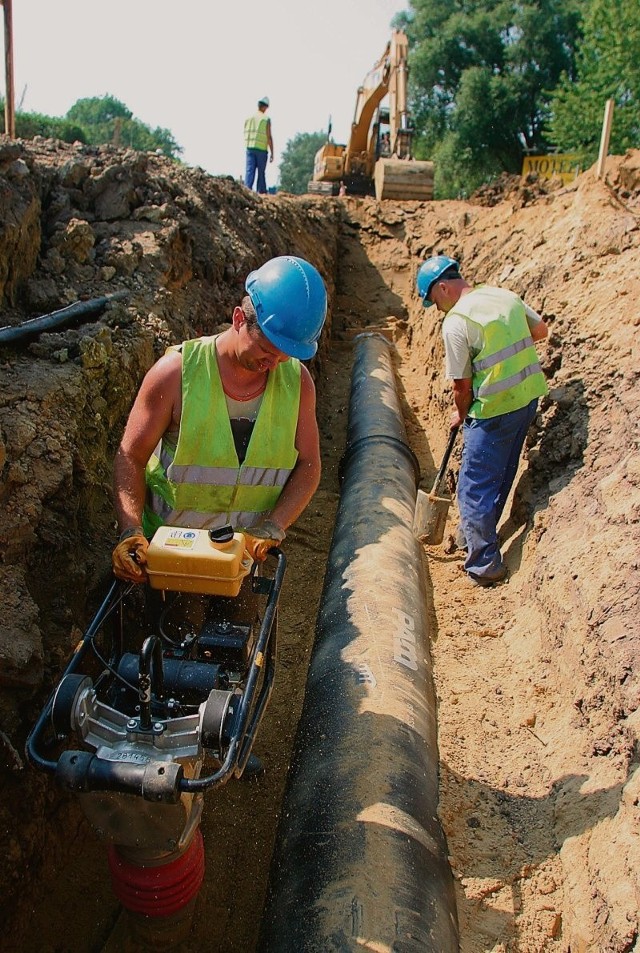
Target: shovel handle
point(445, 459)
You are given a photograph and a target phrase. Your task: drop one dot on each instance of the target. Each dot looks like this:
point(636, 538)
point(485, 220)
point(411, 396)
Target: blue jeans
point(256, 162)
point(489, 464)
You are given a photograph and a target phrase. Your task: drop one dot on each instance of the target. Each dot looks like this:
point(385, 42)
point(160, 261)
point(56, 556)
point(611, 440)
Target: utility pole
point(9, 101)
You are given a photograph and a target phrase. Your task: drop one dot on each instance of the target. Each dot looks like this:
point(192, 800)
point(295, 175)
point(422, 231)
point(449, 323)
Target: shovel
point(431, 510)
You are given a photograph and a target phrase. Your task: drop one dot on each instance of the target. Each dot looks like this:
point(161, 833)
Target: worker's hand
point(455, 420)
point(259, 539)
point(129, 558)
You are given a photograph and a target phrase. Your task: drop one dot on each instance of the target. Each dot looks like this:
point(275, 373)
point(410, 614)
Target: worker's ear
point(238, 318)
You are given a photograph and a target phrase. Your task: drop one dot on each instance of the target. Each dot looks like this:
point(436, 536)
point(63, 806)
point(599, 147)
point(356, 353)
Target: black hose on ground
point(360, 859)
point(49, 322)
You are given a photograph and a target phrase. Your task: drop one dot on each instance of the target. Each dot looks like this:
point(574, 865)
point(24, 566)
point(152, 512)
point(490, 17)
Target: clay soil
point(536, 679)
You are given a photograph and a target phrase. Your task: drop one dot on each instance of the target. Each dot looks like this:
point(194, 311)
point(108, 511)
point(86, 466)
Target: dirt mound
point(537, 680)
point(521, 191)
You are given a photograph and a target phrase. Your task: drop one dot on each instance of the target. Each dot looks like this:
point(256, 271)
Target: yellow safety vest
point(201, 484)
point(255, 132)
point(506, 374)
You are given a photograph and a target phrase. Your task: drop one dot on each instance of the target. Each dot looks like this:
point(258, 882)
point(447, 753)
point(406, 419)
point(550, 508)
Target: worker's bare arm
point(462, 397)
point(539, 331)
point(305, 477)
point(269, 139)
point(538, 327)
point(155, 410)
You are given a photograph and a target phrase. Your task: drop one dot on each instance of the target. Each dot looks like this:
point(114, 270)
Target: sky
point(198, 67)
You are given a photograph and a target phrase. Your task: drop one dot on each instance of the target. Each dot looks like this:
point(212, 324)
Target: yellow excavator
point(377, 160)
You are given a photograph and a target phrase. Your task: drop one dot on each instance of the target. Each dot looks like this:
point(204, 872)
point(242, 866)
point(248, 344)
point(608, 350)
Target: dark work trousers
point(490, 458)
point(256, 162)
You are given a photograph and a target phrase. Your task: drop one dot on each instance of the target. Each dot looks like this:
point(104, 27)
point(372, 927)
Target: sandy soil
point(536, 679)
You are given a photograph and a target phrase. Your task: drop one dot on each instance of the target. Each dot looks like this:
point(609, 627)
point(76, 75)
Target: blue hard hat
point(430, 271)
point(290, 300)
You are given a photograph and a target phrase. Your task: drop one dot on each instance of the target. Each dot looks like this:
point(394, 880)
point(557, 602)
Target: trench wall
point(79, 223)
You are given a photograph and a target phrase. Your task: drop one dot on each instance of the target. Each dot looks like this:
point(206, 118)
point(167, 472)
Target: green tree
point(106, 119)
point(607, 68)
point(98, 111)
point(96, 121)
point(296, 167)
point(480, 75)
point(29, 125)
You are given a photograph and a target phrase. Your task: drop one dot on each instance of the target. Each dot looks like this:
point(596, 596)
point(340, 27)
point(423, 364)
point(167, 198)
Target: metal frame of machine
point(148, 697)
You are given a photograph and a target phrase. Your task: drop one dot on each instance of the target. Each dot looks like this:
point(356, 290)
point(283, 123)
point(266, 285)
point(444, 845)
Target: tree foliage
point(97, 121)
point(481, 72)
point(106, 119)
point(296, 166)
point(29, 125)
point(607, 68)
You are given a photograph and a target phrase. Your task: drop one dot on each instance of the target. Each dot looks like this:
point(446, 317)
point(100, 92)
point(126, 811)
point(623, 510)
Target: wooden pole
point(9, 102)
point(604, 138)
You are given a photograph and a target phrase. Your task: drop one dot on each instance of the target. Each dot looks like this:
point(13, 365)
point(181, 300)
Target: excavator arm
point(360, 163)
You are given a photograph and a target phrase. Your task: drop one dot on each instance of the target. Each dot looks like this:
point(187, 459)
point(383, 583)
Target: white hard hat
point(264, 101)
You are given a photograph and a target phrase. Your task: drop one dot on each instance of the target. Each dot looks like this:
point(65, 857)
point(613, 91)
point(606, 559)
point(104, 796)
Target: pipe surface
point(360, 859)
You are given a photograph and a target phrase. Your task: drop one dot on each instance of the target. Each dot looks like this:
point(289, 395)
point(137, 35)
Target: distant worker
point(385, 144)
point(257, 139)
point(489, 336)
point(223, 430)
point(343, 189)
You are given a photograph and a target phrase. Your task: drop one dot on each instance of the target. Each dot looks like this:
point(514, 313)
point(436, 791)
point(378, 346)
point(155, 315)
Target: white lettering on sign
point(404, 641)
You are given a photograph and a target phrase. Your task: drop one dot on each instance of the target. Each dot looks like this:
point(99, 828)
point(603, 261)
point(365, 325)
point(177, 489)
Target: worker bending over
point(223, 430)
point(489, 336)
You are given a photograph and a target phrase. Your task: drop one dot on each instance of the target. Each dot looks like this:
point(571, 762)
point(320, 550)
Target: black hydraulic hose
point(360, 858)
point(48, 322)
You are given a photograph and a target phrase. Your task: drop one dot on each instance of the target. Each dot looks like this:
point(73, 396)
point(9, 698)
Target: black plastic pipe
point(75, 312)
point(360, 860)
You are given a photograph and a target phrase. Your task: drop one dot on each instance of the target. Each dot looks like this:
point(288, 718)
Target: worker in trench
point(489, 340)
point(223, 430)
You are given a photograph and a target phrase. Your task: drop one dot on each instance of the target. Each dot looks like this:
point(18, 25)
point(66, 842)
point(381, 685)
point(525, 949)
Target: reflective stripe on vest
point(255, 132)
point(506, 372)
point(200, 483)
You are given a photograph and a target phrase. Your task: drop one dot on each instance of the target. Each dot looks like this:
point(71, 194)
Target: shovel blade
point(430, 517)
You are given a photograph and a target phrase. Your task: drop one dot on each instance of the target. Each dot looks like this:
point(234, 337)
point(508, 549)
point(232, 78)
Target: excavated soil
point(536, 680)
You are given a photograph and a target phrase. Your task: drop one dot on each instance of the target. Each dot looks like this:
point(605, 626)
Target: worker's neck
point(240, 378)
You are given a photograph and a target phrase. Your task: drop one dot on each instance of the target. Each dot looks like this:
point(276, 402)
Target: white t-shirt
point(463, 340)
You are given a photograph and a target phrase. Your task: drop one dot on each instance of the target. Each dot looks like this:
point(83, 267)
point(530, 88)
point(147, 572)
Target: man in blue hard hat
point(223, 429)
point(259, 145)
point(490, 356)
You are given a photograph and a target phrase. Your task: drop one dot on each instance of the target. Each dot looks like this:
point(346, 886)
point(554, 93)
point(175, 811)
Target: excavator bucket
point(403, 179)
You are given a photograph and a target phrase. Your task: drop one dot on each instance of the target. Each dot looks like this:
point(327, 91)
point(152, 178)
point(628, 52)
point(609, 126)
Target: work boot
point(460, 541)
point(486, 581)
